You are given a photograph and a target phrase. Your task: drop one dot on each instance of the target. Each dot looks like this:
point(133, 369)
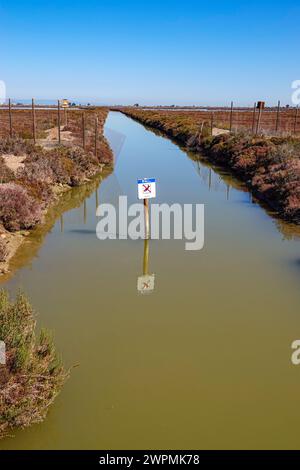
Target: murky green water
point(202, 362)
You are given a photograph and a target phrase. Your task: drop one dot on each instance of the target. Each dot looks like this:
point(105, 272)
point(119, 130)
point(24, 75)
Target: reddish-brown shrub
point(18, 210)
point(39, 190)
point(39, 170)
point(6, 174)
point(16, 146)
point(62, 165)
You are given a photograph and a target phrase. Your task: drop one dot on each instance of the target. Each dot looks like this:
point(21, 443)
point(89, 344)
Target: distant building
point(64, 103)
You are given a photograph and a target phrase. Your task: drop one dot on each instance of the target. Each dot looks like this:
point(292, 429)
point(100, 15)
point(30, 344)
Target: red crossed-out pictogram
point(147, 188)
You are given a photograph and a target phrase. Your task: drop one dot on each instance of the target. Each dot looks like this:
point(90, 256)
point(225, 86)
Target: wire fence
point(52, 125)
point(33, 122)
point(272, 121)
point(281, 121)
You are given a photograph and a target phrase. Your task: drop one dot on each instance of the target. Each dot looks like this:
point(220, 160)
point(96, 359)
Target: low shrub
point(18, 210)
point(40, 190)
point(87, 163)
point(61, 165)
point(6, 174)
point(33, 374)
point(16, 146)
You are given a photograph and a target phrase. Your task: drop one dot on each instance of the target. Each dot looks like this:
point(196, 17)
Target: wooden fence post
point(231, 116)
point(58, 121)
point(277, 117)
point(10, 118)
point(201, 132)
point(96, 134)
point(253, 118)
point(258, 121)
point(33, 121)
point(83, 130)
point(212, 123)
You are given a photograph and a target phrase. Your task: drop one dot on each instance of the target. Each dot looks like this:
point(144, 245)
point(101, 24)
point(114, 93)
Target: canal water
point(202, 362)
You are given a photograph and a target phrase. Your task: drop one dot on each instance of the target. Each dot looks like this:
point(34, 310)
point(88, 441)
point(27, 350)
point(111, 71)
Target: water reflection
point(216, 178)
point(68, 201)
point(97, 198)
point(62, 223)
point(146, 282)
point(220, 180)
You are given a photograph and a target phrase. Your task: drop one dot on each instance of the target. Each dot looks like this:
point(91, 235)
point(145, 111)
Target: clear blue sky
point(151, 52)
